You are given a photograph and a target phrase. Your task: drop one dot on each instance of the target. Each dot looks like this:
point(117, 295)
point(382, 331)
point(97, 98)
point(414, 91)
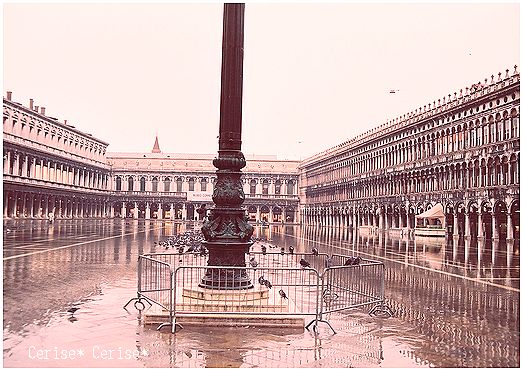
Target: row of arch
point(155, 183)
point(29, 166)
point(500, 171)
point(463, 136)
point(485, 218)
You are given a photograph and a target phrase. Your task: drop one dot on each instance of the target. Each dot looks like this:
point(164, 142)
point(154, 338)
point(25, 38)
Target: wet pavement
point(456, 303)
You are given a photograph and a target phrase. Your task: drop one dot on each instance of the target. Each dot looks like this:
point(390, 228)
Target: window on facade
point(492, 132)
point(507, 129)
point(178, 184)
point(167, 184)
point(142, 184)
point(265, 187)
point(130, 183)
point(155, 184)
point(290, 187)
point(203, 184)
point(191, 184)
point(253, 188)
point(118, 183)
point(515, 127)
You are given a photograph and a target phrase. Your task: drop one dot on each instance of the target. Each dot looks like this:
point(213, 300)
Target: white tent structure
point(431, 223)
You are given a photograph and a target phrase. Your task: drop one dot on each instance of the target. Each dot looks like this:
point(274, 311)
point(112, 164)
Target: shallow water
point(456, 303)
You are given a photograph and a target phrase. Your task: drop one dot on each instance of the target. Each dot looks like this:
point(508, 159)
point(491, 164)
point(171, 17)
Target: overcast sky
point(315, 74)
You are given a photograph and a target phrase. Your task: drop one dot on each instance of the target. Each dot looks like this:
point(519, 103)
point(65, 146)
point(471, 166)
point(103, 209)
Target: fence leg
point(381, 309)
point(315, 327)
point(138, 301)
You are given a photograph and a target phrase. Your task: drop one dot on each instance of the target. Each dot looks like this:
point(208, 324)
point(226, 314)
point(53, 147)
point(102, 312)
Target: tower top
point(156, 147)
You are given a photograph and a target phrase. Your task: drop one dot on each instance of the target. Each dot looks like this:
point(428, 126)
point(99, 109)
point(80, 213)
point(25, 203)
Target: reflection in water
point(456, 301)
point(465, 323)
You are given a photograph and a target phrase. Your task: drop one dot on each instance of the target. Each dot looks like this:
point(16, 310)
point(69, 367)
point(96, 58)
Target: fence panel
point(155, 281)
point(288, 291)
point(351, 286)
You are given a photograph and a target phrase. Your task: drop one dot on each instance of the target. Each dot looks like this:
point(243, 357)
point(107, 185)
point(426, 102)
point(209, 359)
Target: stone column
point(258, 214)
point(147, 211)
point(455, 226)
point(16, 166)
point(495, 230)
point(467, 225)
point(15, 204)
point(7, 163)
point(184, 212)
point(510, 228)
point(6, 203)
point(160, 211)
point(45, 209)
point(25, 167)
point(136, 211)
point(271, 216)
point(123, 211)
point(171, 211)
point(480, 224)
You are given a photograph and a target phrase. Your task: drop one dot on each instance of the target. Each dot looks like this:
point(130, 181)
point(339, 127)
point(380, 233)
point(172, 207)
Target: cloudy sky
point(314, 74)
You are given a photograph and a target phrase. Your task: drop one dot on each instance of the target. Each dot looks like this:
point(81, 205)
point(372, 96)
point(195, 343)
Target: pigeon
point(264, 250)
point(353, 260)
point(315, 251)
point(304, 263)
point(282, 294)
point(72, 310)
point(282, 250)
point(261, 280)
point(253, 263)
point(180, 249)
point(291, 249)
point(267, 283)
point(328, 262)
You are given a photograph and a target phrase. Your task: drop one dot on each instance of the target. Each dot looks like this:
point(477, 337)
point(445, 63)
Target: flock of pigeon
point(188, 242)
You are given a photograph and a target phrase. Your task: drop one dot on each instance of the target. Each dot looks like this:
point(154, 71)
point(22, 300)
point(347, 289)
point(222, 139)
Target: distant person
point(51, 217)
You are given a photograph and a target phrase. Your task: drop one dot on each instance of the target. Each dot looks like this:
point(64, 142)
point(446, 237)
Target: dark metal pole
point(227, 232)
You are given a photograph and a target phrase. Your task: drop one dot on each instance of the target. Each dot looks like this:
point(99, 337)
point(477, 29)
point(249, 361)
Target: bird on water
point(72, 310)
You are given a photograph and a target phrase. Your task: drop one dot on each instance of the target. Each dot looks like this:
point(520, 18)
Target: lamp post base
point(225, 255)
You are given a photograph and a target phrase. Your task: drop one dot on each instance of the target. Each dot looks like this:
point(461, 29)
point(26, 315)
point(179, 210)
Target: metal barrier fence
point(284, 284)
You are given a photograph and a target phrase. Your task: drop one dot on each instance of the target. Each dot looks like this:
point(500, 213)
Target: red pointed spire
point(156, 147)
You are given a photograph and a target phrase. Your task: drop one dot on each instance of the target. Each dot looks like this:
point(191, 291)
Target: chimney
point(42, 110)
point(65, 122)
point(36, 109)
point(9, 94)
point(31, 104)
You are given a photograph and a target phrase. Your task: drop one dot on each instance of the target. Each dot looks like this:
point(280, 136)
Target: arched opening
point(499, 220)
point(290, 215)
point(190, 212)
point(264, 213)
point(118, 183)
point(276, 214)
point(252, 212)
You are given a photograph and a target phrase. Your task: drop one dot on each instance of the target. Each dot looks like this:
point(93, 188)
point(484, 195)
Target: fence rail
point(281, 286)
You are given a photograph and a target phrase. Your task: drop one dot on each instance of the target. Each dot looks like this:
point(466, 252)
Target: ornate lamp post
point(227, 233)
